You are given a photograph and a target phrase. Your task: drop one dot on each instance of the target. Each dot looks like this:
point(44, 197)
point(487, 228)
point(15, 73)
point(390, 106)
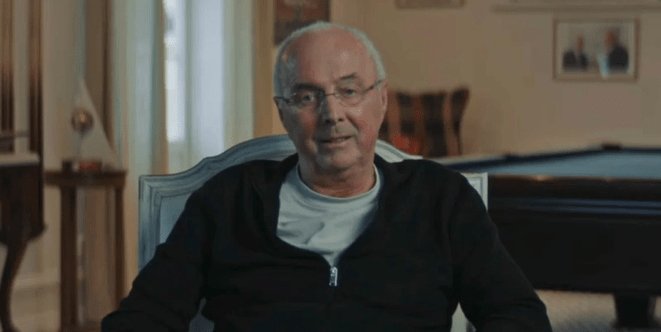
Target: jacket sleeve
point(492, 290)
point(166, 293)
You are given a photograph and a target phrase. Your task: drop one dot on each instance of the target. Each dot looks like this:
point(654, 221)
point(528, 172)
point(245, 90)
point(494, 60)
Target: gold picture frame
point(422, 4)
point(291, 15)
point(592, 49)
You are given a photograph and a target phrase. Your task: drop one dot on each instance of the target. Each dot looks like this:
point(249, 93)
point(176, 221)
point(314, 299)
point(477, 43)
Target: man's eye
point(348, 92)
point(304, 97)
point(308, 97)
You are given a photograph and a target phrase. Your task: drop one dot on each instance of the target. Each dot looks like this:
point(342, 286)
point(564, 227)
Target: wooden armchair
point(162, 197)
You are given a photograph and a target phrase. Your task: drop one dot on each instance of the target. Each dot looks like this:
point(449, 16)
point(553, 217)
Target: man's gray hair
point(283, 68)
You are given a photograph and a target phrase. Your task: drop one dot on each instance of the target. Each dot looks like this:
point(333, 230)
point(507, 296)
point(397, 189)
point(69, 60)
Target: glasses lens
point(305, 98)
point(351, 94)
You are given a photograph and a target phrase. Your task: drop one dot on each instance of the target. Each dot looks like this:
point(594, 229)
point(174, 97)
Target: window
point(175, 84)
point(194, 76)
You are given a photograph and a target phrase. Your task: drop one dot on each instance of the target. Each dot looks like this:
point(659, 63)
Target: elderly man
point(332, 238)
point(575, 58)
point(618, 57)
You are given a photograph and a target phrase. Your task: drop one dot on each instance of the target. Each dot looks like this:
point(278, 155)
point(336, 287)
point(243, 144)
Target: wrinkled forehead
point(326, 58)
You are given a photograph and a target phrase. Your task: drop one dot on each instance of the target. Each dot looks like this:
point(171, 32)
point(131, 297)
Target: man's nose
point(331, 111)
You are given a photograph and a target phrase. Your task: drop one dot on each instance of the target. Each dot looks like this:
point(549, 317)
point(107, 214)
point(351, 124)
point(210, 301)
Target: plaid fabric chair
point(426, 124)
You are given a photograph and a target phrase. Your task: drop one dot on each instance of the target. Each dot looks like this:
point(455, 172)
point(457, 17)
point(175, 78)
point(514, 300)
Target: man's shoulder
point(424, 165)
point(245, 171)
point(619, 49)
point(424, 172)
point(435, 181)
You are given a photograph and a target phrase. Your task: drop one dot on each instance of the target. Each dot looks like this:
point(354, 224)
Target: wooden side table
point(68, 182)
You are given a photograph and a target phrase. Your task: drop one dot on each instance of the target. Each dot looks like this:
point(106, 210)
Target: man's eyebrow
point(306, 85)
point(298, 86)
point(350, 77)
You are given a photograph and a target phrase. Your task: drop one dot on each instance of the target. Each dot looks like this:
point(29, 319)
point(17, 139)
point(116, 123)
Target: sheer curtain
point(138, 104)
point(208, 78)
point(182, 89)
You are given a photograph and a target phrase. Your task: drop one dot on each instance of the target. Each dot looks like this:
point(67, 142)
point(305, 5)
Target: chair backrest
point(425, 123)
point(458, 103)
point(162, 197)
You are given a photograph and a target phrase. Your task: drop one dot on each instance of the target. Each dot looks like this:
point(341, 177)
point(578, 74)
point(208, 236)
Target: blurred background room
point(95, 93)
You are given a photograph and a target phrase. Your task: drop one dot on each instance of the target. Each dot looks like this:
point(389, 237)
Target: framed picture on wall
point(293, 14)
point(419, 4)
point(576, 5)
point(595, 50)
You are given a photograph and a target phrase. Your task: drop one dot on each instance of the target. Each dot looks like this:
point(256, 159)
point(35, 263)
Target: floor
point(575, 312)
point(586, 312)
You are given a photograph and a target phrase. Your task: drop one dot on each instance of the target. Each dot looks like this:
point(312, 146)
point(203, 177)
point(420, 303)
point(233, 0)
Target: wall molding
point(48, 278)
point(528, 6)
point(46, 321)
point(35, 301)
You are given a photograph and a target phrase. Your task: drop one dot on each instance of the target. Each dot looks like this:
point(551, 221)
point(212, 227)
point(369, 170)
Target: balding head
point(611, 38)
point(302, 53)
point(286, 59)
point(579, 43)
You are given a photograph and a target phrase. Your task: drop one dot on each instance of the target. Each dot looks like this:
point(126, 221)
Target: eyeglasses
point(310, 98)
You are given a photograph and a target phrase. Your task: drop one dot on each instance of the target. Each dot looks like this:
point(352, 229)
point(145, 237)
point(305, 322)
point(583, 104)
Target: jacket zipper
point(333, 276)
point(331, 290)
point(334, 272)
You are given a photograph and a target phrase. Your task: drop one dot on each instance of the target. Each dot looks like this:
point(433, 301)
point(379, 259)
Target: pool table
point(583, 220)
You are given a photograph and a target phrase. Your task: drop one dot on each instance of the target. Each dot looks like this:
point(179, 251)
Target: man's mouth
point(334, 140)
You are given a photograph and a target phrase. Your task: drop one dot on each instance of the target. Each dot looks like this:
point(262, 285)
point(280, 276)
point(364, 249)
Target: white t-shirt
point(323, 224)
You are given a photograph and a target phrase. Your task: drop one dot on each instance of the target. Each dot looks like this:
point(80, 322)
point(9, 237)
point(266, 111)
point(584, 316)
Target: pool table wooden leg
point(635, 311)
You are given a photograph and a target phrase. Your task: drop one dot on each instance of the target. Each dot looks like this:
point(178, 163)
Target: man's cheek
point(369, 128)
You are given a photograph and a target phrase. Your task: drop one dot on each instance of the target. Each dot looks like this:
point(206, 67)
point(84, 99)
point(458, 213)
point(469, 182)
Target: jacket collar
point(272, 184)
point(268, 189)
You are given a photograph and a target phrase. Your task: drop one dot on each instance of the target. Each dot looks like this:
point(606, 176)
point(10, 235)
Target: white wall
point(36, 298)
point(35, 301)
point(506, 60)
point(238, 53)
point(20, 57)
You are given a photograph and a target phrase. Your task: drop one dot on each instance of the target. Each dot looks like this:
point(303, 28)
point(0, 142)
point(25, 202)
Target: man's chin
point(336, 162)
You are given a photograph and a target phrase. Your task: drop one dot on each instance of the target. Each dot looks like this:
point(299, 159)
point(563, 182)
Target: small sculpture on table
point(82, 122)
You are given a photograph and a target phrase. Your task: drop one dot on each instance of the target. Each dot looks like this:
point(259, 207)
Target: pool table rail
point(604, 188)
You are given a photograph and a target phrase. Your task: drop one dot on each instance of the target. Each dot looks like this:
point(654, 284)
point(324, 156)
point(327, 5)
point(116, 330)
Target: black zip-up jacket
point(431, 246)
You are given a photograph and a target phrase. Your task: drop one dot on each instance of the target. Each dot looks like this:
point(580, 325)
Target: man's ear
point(282, 120)
point(277, 105)
point(384, 96)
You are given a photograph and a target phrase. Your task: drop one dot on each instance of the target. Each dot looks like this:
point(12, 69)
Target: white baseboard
point(45, 321)
point(47, 278)
point(35, 301)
